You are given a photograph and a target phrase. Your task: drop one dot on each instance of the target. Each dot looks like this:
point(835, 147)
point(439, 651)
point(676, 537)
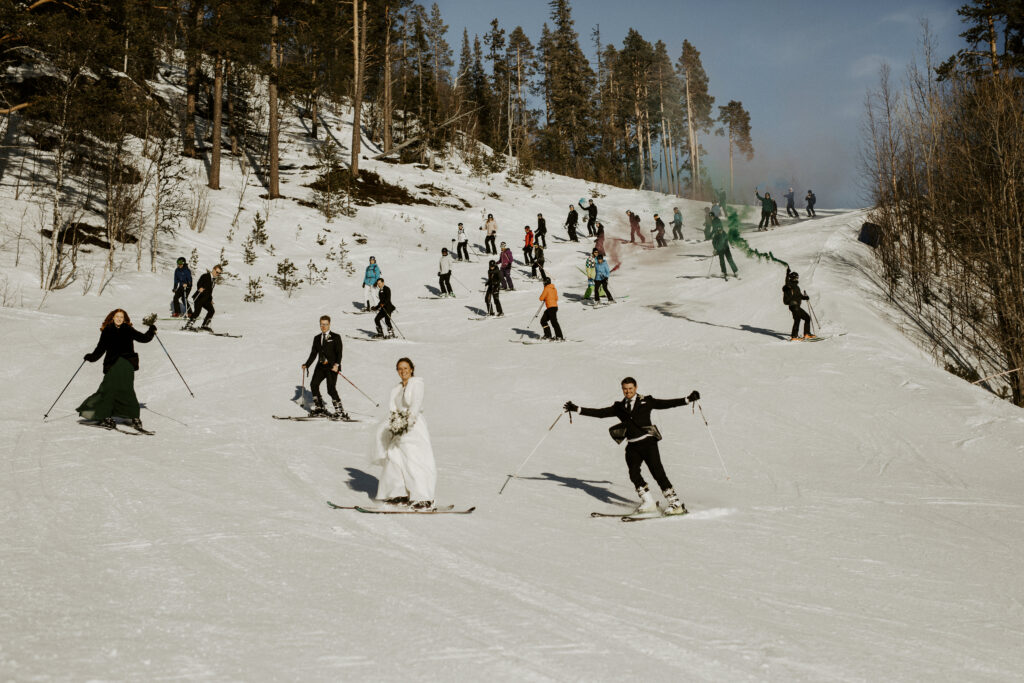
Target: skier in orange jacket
point(550, 298)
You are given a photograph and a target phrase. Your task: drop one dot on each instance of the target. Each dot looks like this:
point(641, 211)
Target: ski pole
point(358, 389)
point(302, 396)
point(809, 306)
point(516, 475)
point(174, 364)
point(64, 389)
point(470, 291)
point(713, 442)
point(395, 325)
point(711, 263)
point(532, 319)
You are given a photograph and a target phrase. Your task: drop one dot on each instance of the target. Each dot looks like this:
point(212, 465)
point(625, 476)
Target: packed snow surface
point(864, 521)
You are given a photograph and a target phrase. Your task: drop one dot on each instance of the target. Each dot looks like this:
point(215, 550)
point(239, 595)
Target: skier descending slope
point(591, 217)
point(444, 274)
point(203, 298)
point(116, 394)
point(370, 283)
point(326, 351)
point(384, 309)
point(182, 285)
point(493, 289)
point(550, 298)
point(641, 437)
point(571, 221)
point(793, 297)
point(403, 446)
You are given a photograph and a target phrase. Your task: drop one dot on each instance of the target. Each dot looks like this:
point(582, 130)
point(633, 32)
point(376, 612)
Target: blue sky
point(800, 67)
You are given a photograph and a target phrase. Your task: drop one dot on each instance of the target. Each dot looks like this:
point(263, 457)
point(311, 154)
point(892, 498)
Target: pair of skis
point(443, 510)
point(116, 428)
point(333, 417)
point(638, 517)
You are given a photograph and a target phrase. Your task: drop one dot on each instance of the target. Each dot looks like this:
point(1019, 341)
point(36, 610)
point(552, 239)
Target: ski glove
point(570, 407)
point(694, 396)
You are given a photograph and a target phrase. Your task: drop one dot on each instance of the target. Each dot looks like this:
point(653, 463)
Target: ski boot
point(339, 412)
point(675, 506)
point(379, 335)
point(108, 423)
point(647, 503)
point(400, 500)
point(422, 505)
point(319, 410)
point(390, 334)
point(189, 324)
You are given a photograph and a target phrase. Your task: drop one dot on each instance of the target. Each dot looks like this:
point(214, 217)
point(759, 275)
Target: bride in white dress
point(409, 475)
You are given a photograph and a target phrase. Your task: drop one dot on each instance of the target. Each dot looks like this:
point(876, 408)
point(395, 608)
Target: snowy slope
point(868, 526)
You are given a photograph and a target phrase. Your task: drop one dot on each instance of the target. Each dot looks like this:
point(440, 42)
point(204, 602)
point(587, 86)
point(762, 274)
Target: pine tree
point(697, 104)
point(736, 125)
point(986, 20)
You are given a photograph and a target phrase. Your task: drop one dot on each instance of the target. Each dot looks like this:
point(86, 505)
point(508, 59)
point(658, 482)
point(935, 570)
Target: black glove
point(153, 327)
point(86, 357)
point(570, 407)
point(694, 396)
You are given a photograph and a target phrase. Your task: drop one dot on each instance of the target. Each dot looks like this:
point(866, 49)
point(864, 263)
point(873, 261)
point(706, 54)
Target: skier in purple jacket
point(506, 259)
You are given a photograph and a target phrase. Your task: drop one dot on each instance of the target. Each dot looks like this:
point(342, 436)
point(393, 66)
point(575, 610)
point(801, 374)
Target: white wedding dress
point(408, 459)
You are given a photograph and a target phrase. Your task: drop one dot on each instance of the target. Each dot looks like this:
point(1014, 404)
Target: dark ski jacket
point(385, 301)
point(719, 240)
point(775, 207)
point(789, 199)
point(538, 255)
point(328, 354)
point(573, 218)
point(811, 199)
point(493, 279)
point(182, 276)
point(766, 202)
point(206, 284)
point(792, 296)
point(119, 342)
point(592, 212)
point(709, 224)
point(641, 415)
point(542, 227)
point(659, 226)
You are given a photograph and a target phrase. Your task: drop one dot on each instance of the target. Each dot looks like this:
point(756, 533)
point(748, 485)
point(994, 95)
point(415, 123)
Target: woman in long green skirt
point(116, 394)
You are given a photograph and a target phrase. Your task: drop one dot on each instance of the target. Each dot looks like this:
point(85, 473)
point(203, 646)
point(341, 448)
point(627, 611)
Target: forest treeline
point(944, 161)
point(636, 118)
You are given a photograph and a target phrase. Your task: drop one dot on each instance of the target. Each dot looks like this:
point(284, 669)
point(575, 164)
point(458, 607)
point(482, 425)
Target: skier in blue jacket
point(601, 274)
point(182, 285)
point(370, 283)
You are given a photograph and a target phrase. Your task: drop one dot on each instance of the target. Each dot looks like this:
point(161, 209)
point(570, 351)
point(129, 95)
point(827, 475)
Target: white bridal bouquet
point(398, 423)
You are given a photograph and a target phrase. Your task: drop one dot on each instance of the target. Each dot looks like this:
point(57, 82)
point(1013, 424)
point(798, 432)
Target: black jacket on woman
point(119, 342)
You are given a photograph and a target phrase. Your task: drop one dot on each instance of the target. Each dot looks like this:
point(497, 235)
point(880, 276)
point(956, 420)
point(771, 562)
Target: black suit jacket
point(205, 283)
point(641, 415)
point(326, 354)
point(385, 300)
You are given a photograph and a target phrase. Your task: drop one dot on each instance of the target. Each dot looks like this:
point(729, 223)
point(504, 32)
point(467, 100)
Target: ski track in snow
point(870, 527)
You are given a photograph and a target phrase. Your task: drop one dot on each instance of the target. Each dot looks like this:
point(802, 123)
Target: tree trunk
point(732, 189)
point(387, 80)
point(357, 90)
point(273, 187)
point(992, 43)
point(218, 99)
point(693, 142)
point(192, 57)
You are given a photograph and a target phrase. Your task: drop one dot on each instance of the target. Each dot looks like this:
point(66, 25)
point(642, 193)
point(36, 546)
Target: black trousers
point(766, 218)
point(541, 239)
point(489, 245)
point(444, 283)
point(646, 451)
point(550, 317)
point(463, 251)
point(659, 237)
point(180, 294)
point(791, 210)
point(677, 231)
point(537, 266)
point(590, 226)
point(798, 315)
point(202, 303)
point(324, 372)
point(382, 315)
point(493, 296)
point(810, 210)
point(572, 232)
point(527, 255)
point(598, 284)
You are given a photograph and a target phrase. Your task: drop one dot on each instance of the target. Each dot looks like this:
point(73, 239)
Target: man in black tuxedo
point(384, 309)
point(327, 353)
point(636, 428)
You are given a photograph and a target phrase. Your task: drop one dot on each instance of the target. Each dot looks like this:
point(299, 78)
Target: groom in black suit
point(641, 436)
point(327, 353)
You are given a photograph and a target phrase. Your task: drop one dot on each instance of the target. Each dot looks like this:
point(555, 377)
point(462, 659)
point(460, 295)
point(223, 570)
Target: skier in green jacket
point(767, 206)
point(720, 241)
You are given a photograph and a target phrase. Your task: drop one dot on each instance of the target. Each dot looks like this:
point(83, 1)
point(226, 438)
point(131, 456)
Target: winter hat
point(492, 263)
point(793, 276)
point(444, 250)
point(181, 260)
point(503, 245)
point(373, 258)
point(547, 280)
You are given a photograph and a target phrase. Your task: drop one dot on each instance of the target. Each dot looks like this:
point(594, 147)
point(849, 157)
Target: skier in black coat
point(203, 298)
point(326, 351)
point(493, 289)
point(790, 204)
point(541, 233)
point(116, 393)
point(641, 436)
point(793, 297)
point(811, 200)
point(571, 221)
point(384, 309)
point(591, 217)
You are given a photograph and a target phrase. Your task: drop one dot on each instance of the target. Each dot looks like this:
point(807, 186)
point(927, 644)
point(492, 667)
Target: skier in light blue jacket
point(601, 274)
point(370, 283)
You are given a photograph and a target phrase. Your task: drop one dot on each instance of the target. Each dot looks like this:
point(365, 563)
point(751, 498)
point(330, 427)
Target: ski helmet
point(547, 280)
point(492, 263)
point(181, 260)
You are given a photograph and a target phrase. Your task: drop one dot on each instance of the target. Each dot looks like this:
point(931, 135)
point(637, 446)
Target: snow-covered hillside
point(864, 522)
